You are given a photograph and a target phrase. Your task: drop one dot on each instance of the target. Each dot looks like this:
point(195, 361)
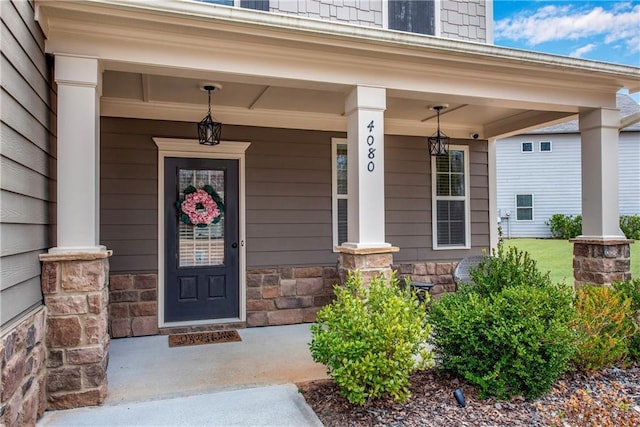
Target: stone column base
point(76, 297)
point(370, 262)
point(601, 262)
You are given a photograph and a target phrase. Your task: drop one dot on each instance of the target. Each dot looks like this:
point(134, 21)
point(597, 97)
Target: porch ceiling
point(130, 94)
point(285, 71)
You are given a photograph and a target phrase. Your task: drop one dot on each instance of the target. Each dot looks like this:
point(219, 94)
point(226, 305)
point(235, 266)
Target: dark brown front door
point(201, 262)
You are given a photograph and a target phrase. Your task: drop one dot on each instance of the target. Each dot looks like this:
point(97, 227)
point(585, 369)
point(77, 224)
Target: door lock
point(234, 245)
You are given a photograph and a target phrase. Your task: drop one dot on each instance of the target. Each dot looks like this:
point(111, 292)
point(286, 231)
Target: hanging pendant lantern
point(209, 130)
point(439, 141)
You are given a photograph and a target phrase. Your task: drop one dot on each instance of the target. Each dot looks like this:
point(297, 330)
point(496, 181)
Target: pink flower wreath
point(200, 207)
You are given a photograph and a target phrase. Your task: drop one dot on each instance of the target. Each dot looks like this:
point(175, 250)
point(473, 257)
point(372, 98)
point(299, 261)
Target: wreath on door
point(200, 207)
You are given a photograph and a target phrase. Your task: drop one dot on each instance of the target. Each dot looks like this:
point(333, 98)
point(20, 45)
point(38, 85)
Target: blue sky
point(602, 30)
point(606, 31)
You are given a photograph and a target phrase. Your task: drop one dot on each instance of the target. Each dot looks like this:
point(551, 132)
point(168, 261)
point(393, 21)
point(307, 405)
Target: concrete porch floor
point(247, 383)
point(147, 368)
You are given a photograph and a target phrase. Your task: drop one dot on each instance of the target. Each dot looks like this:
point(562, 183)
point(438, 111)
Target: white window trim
point(334, 188)
point(546, 151)
point(466, 198)
point(533, 213)
point(533, 147)
point(189, 148)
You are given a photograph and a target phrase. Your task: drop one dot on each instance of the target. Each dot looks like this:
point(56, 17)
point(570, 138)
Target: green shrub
point(371, 339)
point(631, 290)
point(508, 336)
point(569, 226)
point(603, 325)
point(565, 226)
point(507, 267)
point(630, 226)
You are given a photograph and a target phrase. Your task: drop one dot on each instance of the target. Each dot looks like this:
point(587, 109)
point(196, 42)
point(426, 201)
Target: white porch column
point(601, 254)
point(599, 132)
point(366, 250)
point(365, 144)
point(78, 195)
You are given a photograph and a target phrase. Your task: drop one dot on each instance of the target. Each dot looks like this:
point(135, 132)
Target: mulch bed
point(607, 398)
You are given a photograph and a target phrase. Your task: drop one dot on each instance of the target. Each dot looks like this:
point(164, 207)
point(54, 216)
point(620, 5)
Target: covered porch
point(129, 81)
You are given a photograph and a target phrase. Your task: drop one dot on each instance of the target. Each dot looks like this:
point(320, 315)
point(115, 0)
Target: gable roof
point(625, 103)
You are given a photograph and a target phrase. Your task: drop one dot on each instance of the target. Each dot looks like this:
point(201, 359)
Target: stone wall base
point(601, 262)
point(23, 359)
point(369, 262)
point(275, 296)
point(133, 305)
point(288, 295)
point(76, 296)
point(440, 274)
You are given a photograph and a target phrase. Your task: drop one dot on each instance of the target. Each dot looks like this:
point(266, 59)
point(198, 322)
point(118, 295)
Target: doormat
point(197, 338)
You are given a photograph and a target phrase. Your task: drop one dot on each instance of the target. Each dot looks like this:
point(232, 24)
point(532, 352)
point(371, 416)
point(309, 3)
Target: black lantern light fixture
point(209, 130)
point(438, 142)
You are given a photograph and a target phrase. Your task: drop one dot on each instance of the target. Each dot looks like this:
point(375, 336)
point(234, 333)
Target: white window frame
point(334, 188)
point(545, 142)
point(522, 150)
point(466, 198)
point(533, 216)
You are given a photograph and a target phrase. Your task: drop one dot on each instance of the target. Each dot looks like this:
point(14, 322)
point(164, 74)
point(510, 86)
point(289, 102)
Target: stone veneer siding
point(133, 305)
point(601, 262)
point(359, 12)
point(288, 295)
point(463, 20)
point(76, 297)
point(440, 274)
point(23, 359)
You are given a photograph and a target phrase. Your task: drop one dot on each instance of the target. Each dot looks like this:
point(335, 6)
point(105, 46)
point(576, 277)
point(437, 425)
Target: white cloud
point(582, 50)
point(620, 22)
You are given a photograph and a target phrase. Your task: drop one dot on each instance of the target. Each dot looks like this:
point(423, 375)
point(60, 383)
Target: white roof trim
point(204, 15)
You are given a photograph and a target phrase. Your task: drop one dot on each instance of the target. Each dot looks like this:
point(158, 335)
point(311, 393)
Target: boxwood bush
point(510, 334)
point(371, 338)
point(565, 226)
point(630, 226)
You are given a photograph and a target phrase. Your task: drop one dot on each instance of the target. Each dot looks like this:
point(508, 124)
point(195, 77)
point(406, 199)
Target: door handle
point(234, 245)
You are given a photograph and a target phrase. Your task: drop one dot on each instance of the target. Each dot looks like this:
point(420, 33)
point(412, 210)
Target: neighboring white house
point(539, 174)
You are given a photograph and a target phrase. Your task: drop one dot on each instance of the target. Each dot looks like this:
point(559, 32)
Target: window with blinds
point(340, 191)
point(451, 199)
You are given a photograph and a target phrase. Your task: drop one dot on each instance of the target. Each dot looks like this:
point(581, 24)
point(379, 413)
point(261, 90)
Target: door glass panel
point(200, 246)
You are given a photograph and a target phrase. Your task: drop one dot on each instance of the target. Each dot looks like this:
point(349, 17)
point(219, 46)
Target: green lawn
point(556, 256)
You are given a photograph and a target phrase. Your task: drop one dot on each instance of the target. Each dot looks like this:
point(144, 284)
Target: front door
point(202, 255)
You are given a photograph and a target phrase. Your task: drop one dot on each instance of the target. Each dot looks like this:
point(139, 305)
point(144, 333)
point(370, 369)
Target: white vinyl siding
point(555, 179)
point(450, 199)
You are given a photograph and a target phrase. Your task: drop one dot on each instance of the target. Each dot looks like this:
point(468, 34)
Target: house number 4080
point(372, 151)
